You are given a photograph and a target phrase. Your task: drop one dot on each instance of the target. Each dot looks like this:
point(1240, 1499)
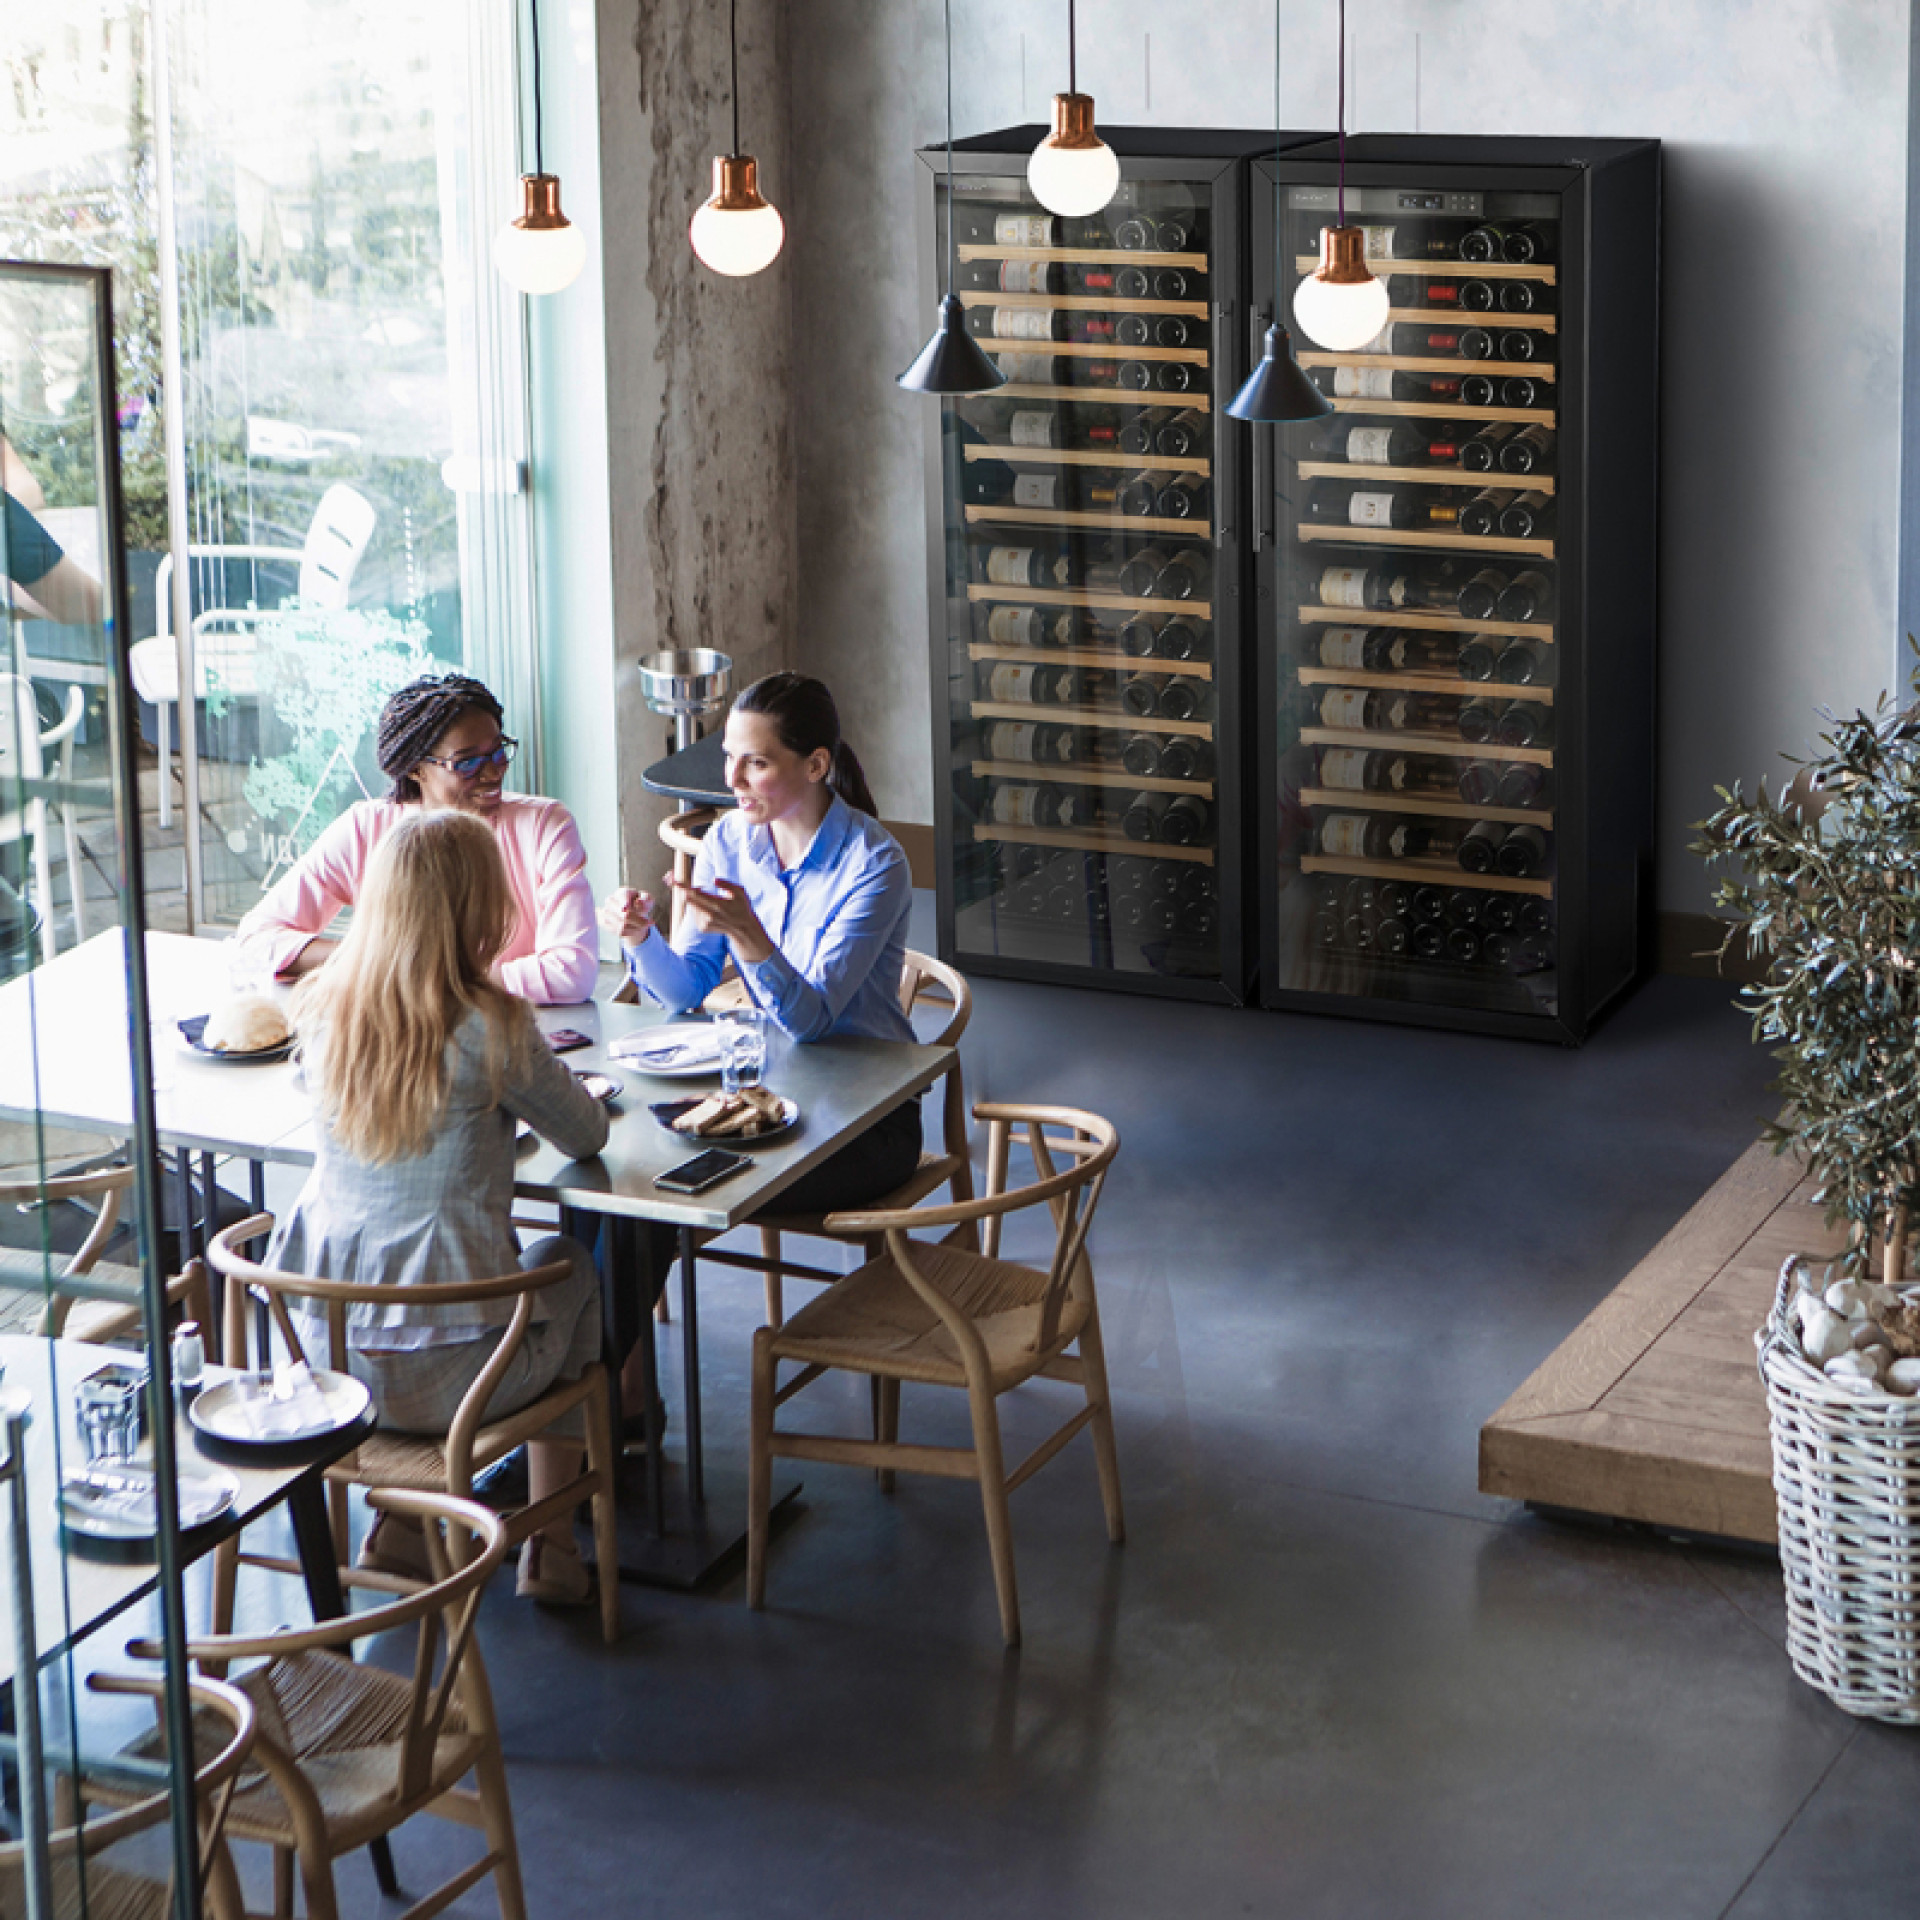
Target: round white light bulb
point(539, 259)
point(1074, 181)
point(737, 243)
point(1341, 316)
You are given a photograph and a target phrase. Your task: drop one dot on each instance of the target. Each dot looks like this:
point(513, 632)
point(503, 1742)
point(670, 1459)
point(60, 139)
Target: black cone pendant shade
point(951, 361)
point(1276, 390)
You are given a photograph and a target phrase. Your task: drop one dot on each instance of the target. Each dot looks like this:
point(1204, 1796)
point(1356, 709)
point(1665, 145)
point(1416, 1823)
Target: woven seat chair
point(945, 1315)
point(922, 979)
point(346, 1752)
point(419, 1461)
point(91, 1298)
point(87, 1887)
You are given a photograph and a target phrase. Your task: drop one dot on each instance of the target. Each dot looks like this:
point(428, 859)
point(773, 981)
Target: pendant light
point(1073, 171)
point(738, 231)
point(1341, 306)
point(543, 250)
point(951, 361)
point(1276, 390)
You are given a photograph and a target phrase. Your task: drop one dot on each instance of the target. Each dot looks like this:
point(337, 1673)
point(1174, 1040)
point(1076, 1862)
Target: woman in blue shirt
point(808, 894)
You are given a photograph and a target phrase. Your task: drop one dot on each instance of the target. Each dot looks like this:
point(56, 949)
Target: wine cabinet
point(1455, 577)
point(1090, 622)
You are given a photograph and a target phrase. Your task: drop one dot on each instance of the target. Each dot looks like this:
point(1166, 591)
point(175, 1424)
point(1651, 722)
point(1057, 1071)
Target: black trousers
point(866, 1169)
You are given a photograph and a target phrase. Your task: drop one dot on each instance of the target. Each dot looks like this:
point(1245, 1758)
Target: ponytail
point(808, 722)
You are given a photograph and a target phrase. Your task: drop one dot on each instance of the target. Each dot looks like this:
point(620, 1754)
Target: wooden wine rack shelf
point(1094, 843)
point(1444, 745)
point(1049, 774)
point(1427, 476)
point(1421, 806)
point(1427, 316)
point(1417, 872)
point(1110, 658)
point(1398, 363)
point(1096, 396)
point(1008, 455)
point(1094, 256)
point(1118, 602)
point(1083, 302)
point(1113, 718)
point(1439, 410)
point(1394, 617)
point(1110, 522)
point(1423, 537)
point(1415, 683)
point(1088, 350)
point(1547, 275)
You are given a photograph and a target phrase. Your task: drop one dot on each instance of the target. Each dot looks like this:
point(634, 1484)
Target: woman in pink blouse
point(441, 744)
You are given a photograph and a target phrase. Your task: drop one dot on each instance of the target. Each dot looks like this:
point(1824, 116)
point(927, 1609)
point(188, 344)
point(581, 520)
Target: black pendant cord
point(1340, 219)
point(535, 10)
point(1073, 52)
point(1277, 255)
point(949, 11)
point(733, 57)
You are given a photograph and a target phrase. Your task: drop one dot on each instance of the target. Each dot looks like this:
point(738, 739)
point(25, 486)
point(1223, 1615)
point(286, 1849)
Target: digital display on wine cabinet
point(1083, 703)
point(1418, 657)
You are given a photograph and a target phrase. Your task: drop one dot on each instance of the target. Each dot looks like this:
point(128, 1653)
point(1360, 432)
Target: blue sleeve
point(865, 920)
point(28, 549)
point(680, 976)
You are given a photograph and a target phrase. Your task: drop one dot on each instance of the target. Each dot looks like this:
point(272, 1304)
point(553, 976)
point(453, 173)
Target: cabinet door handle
point(1263, 445)
point(1218, 364)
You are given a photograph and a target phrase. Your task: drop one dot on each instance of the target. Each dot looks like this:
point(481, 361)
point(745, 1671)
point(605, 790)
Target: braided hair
point(413, 720)
point(805, 718)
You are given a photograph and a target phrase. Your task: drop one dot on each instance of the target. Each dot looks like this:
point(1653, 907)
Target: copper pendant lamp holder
point(736, 184)
point(1343, 257)
point(540, 203)
point(1073, 122)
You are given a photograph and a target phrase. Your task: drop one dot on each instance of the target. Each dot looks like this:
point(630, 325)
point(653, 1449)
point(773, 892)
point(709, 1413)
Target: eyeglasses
point(470, 766)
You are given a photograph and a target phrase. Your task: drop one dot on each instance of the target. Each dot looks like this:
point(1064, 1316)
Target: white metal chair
point(224, 636)
point(24, 752)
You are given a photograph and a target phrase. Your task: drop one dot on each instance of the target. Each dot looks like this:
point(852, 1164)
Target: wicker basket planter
point(1846, 1474)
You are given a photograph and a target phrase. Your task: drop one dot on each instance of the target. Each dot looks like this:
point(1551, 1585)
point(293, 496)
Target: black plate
point(668, 1111)
point(192, 1031)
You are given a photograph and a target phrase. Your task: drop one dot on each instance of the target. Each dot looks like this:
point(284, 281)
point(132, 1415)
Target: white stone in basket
point(1826, 1335)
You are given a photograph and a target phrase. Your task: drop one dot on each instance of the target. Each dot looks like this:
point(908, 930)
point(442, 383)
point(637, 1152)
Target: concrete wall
point(1786, 124)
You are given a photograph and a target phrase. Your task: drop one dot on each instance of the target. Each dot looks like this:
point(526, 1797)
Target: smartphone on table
point(702, 1171)
point(565, 1039)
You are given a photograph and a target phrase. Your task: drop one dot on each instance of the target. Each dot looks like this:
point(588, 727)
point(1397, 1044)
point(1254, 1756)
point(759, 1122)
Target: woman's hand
point(629, 913)
point(727, 912)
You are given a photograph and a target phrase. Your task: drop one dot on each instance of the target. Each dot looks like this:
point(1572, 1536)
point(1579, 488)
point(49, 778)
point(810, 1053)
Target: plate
point(242, 1412)
point(116, 1500)
point(668, 1111)
point(192, 1029)
point(675, 1052)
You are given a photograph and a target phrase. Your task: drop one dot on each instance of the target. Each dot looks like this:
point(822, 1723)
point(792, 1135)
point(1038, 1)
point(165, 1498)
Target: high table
point(63, 1053)
point(696, 774)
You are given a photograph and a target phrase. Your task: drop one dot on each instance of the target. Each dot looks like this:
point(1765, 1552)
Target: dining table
point(64, 1055)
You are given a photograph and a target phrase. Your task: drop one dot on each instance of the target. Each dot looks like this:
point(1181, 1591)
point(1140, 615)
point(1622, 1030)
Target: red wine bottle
point(1528, 451)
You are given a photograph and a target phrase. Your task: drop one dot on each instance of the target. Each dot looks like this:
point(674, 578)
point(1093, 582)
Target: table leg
point(183, 1192)
point(262, 1313)
point(313, 1540)
point(690, 1368)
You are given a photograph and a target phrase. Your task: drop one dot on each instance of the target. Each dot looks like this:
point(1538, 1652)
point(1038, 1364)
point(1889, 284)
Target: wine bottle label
point(1345, 835)
point(1362, 383)
point(1345, 768)
point(1382, 342)
point(1009, 566)
point(1378, 242)
point(1037, 490)
point(1343, 647)
point(1015, 626)
point(1370, 446)
point(1016, 806)
point(1023, 230)
point(1370, 509)
point(1032, 427)
point(1023, 323)
point(1023, 276)
point(1030, 369)
point(1013, 683)
point(1344, 707)
point(1343, 587)
point(1013, 740)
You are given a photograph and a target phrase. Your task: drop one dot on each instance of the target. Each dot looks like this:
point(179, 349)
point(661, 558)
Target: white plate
point(674, 1052)
point(116, 1500)
point(242, 1412)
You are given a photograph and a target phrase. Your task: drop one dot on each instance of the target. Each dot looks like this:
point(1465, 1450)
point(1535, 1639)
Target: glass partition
point(90, 1483)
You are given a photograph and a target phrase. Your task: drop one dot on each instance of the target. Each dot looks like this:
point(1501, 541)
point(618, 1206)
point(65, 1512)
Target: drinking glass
point(743, 1048)
point(109, 1409)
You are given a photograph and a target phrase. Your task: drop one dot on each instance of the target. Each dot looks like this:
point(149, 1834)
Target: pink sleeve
point(564, 965)
point(307, 899)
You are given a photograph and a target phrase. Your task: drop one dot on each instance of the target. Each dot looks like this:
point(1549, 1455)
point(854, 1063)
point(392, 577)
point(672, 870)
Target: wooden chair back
point(683, 833)
point(105, 1184)
point(1071, 1193)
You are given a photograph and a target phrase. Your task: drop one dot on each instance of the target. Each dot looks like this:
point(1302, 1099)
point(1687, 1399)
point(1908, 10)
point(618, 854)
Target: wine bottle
point(1480, 594)
point(1041, 323)
point(990, 485)
point(1186, 757)
point(1521, 390)
point(1433, 586)
point(1185, 698)
point(1522, 853)
point(1518, 343)
point(1183, 639)
point(1023, 805)
point(1478, 721)
point(1483, 243)
point(1136, 435)
point(1385, 383)
point(1396, 444)
point(1478, 390)
point(1133, 330)
point(1176, 330)
point(1033, 741)
point(1526, 245)
point(1407, 240)
point(1185, 821)
point(1187, 496)
point(1520, 664)
point(1477, 343)
point(1536, 919)
point(1526, 596)
point(1176, 283)
point(1382, 710)
point(1040, 686)
point(1528, 451)
point(1370, 836)
point(1031, 626)
point(1180, 233)
point(1525, 296)
point(1386, 650)
point(1521, 784)
point(1421, 339)
point(1463, 907)
point(1479, 657)
point(1476, 296)
point(1463, 946)
point(1429, 905)
point(1526, 516)
point(1376, 770)
point(1140, 569)
point(1138, 497)
point(1141, 755)
point(1479, 848)
point(1012, 566)
point(1187, 576)
point(1002, 227)
point(1181, 436)
point(1478, 783)
point(1524, 724)
point(1134, 233)
point(1417, 290)
point(1142, 816)
point(1137, 637)
point(1481, 454)
point(1480, 516)
point(1132, 283)
point(1140, 694)
point(1014, 276)
point(1057, 370)
point(1497, 913)
point(1426, 940)
point(1169, 376)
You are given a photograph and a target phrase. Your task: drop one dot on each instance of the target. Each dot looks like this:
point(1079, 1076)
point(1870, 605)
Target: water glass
point(109, 1409)
point(743, 1048)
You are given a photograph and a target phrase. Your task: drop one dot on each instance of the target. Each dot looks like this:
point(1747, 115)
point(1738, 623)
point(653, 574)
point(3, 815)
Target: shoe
point(555, 1576)
point(396, 1545)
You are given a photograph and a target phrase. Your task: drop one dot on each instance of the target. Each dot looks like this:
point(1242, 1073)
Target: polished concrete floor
point(1324, 1676)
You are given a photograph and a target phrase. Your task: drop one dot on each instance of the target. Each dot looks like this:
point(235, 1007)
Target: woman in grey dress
point(420, 1063)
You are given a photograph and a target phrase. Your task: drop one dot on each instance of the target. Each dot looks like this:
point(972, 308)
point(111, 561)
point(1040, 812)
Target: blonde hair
point(433, 915)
